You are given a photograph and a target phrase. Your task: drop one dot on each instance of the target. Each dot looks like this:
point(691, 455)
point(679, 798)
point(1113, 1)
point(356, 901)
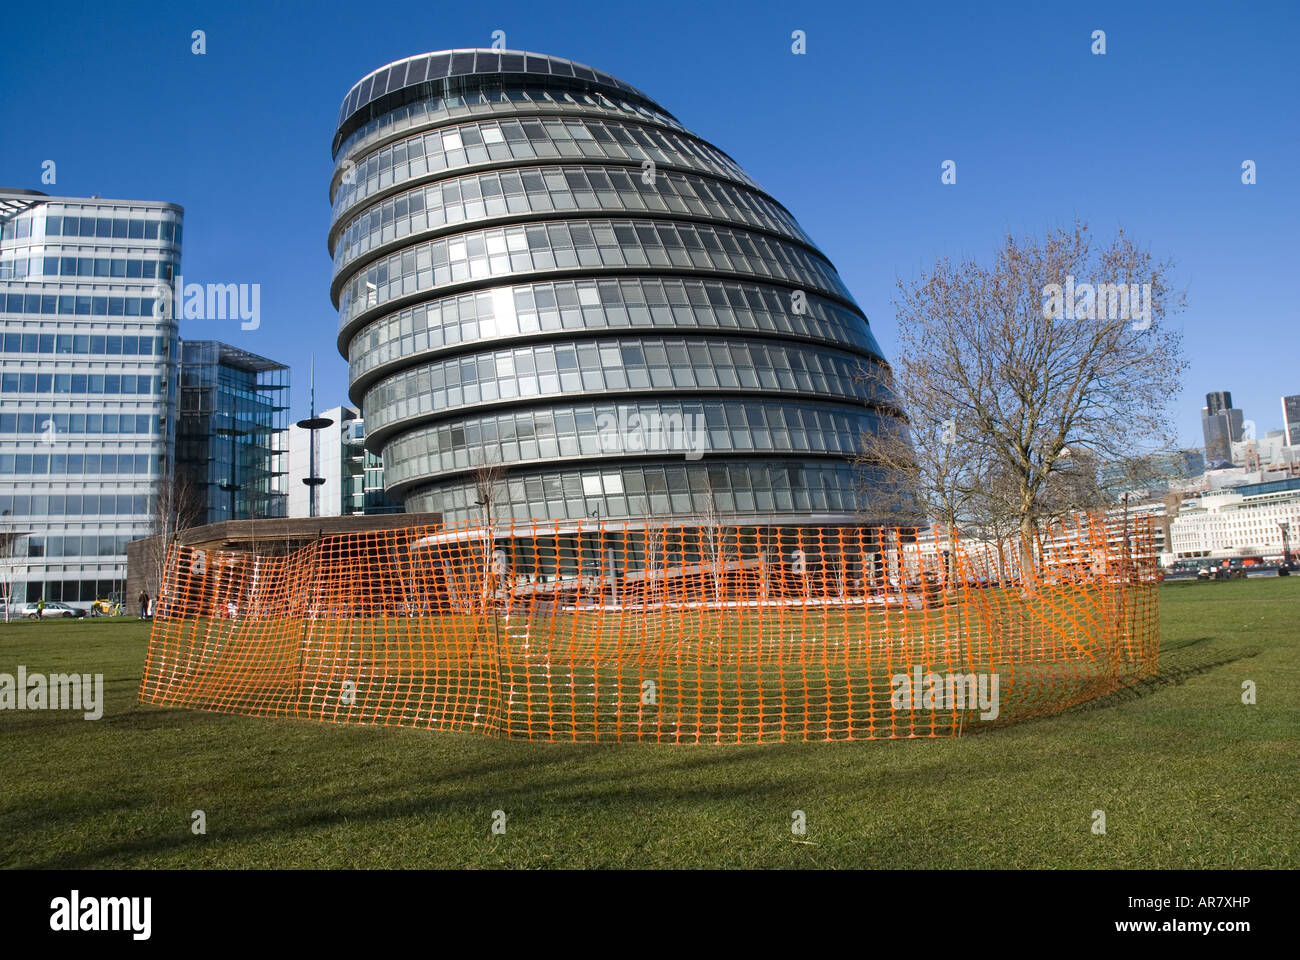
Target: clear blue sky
point(850, 137)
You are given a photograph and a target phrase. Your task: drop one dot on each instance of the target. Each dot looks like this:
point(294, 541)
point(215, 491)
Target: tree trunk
point(953, 585)
point(1027, 569)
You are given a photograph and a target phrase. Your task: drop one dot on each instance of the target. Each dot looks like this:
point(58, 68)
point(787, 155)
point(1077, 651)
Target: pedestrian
point(144, 603)
point(149, 615)
point(40, 608)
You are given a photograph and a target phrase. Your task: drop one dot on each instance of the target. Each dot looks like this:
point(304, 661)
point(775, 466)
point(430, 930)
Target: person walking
point(144, 604)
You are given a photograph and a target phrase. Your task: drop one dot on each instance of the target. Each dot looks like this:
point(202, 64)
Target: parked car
point(53, 608)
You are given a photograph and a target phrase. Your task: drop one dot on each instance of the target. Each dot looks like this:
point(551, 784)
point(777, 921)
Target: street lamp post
point(312, 425)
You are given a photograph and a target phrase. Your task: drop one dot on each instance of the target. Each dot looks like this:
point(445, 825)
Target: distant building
point(232, 425)
point(1221, 426)
point(87, 386)
point(1159, 510)
point(1243, 521)
point(1291, 419)
point(1157, 472)
point(365, 494)
point(1181, 464)
point(353, 477)
point(1218, 401)
point(1269, 452)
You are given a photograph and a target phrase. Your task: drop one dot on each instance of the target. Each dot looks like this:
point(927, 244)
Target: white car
point(53, 608)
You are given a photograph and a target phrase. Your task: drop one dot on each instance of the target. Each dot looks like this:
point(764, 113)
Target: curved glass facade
point(661, 303)
point(506, 142)
point(616, 365)
point(540, 192)
point(536, 265)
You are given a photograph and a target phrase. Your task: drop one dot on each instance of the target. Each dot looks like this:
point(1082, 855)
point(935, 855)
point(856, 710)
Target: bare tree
point(654, 559)
point(489, 476)
point(1060, 347)
point(178, 505)
point(1072, 488)
point(712, 537)
point(994, 518)
point(9, 537)
point(924, 470)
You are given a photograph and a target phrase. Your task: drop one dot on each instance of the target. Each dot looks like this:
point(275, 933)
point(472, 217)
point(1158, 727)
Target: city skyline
point(219, 131)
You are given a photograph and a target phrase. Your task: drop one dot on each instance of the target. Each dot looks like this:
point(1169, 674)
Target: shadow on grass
point(560, 778)
point(1170, 675)
point(517, 776)
point(1176, 668)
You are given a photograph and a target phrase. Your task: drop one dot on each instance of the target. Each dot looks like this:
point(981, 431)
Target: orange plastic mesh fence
point(613, 632)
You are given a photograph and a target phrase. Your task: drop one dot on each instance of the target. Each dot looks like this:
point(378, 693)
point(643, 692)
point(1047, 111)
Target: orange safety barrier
point(608, 631)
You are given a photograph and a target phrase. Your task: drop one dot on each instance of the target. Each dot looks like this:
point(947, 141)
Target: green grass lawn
point(1187, 775)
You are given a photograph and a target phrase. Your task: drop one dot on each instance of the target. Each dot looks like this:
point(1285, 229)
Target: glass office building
point(536, 264)
point(87, 386)
point(232, 438)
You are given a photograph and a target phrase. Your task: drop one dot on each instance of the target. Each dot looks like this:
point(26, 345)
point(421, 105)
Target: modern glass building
point(536, 264)
point(87, 386)
point(233, 431)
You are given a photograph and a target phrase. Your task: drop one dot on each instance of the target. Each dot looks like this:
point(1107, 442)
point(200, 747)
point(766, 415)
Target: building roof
point(274, 532)
point(15, 199)
point(441, 67)
point(241, 359)
point(1268, 486)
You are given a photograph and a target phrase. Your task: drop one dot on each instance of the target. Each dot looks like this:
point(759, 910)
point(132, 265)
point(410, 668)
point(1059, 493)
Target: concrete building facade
point(1242, 521)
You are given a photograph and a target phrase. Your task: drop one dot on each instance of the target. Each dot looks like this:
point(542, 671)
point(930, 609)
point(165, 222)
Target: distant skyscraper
point(1218, 401)
point(1291, 419)
point(1221, 425)
point(87, 385)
